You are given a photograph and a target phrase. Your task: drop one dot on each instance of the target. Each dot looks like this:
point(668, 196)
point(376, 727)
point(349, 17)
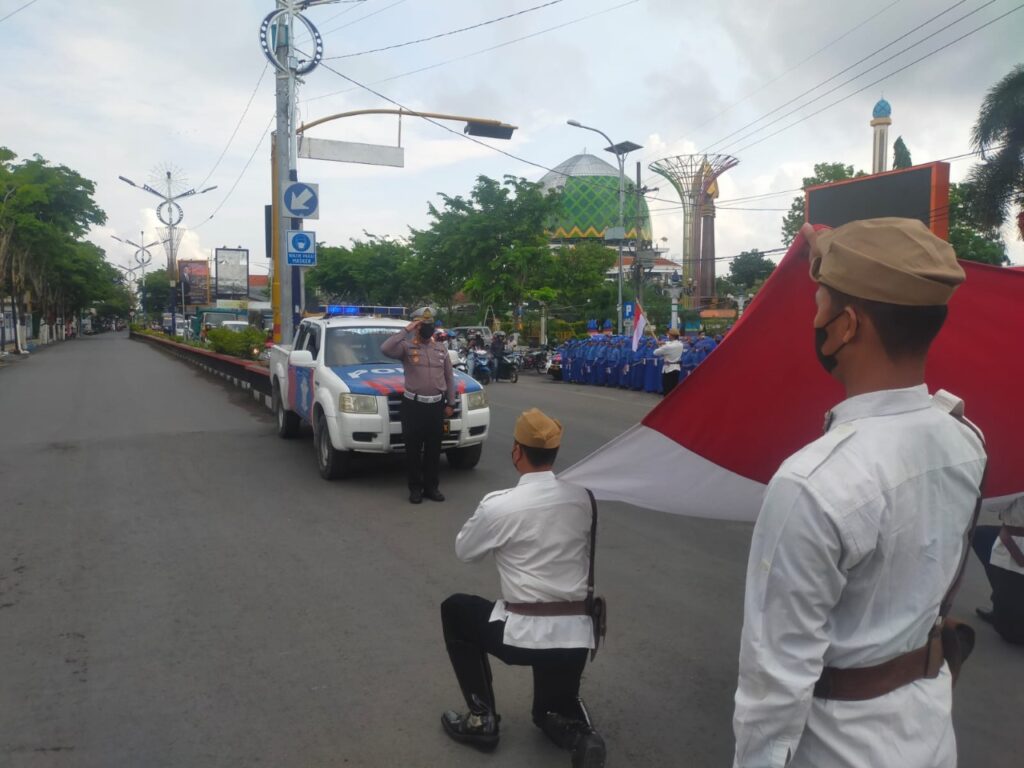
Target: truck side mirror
point(301, 357)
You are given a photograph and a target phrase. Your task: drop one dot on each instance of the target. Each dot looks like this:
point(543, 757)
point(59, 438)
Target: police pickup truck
point(335, 378)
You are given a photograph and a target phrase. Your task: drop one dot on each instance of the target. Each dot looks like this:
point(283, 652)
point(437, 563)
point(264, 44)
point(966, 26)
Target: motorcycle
point(481, 366)
point(535, 360)
point(507, 368)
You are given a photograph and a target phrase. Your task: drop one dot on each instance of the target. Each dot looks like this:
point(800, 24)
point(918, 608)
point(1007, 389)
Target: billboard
point(920, 192)
point(232, 273)
point(194, 277)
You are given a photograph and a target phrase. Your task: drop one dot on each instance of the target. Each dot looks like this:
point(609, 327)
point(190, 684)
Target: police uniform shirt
point(858, 538)
point(428, 369)
point(539, 533)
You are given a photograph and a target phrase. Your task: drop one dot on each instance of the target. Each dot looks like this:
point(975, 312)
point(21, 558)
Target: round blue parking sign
point(301, 242)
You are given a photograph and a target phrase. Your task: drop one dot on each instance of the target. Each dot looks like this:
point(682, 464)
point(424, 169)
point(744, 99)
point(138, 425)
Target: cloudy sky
point(131, 87)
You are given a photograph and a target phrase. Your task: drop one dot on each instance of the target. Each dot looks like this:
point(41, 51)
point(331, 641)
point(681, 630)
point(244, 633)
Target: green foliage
point(750, 267)
point(900, 154)
point(237, 343)
point(491, 245)
point(45, 211)
point(155, 292)
point(999, 135)
point(823, 174)
point(376, 270)
point(970, 238)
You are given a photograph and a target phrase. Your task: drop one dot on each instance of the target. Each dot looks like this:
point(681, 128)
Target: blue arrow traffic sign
point(301, 248)
point(302, 201)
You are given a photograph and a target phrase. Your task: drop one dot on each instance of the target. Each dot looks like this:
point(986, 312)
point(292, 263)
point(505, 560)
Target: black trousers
point(470, 637)
point(422, 430)
point(669, 381)
point(1007, 588)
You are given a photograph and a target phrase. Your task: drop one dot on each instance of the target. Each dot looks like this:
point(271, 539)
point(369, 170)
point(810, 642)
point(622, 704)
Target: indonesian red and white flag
point(639, 323)
point(710, 447)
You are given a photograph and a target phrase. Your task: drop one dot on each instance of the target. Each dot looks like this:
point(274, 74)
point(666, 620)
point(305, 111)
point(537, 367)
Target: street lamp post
point(620, 151)
point(143, 258)
point(170, 213)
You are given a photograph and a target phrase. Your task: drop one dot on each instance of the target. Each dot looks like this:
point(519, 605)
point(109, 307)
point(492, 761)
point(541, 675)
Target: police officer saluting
point(862, 533)
point(428, 401)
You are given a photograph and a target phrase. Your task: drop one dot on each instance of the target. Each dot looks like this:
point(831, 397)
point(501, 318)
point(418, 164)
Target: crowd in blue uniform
point(609, 361)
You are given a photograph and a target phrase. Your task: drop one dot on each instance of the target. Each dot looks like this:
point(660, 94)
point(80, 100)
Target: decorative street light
point(143, 258)
point(620, 151)
point(170, 214)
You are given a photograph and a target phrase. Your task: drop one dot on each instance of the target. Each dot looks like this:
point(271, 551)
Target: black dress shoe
point(415, 497)
point(590, 752)
point(476, 730)
point(987, 616)
point(434, 495)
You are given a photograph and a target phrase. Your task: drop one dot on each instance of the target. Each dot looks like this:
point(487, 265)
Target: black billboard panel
point(920, 192)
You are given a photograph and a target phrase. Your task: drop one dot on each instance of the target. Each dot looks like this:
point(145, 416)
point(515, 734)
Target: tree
point(900, 154)
point(999, 136)
point(823, 174)
point(748, 268)
point(156, 292)
point(373, 271)
point(45, 211)
point(493, 245)
point(578, 271)
point(970, 239)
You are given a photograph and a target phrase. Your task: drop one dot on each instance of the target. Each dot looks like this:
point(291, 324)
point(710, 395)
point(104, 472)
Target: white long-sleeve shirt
point(539, 533)
point(858, 538)
point(672, 351)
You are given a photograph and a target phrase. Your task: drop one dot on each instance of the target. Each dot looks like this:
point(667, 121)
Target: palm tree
point(999, 136)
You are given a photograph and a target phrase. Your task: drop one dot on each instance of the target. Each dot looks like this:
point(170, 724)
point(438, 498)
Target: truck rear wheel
point(333, 464)
point(464, 458)
point(287, 422)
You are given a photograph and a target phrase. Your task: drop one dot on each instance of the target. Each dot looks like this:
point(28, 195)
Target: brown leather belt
point(863, 683)
point(565, 608)
point(1006, 534)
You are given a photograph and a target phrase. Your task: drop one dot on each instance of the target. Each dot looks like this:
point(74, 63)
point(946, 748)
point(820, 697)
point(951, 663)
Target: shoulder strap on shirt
point(593, 548)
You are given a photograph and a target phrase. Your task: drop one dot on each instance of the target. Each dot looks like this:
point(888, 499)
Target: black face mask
point(828, 362)
point(426, 331)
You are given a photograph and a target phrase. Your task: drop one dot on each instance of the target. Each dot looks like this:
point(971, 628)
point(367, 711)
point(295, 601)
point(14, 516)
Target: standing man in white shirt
point(672, 352)
point(539, 533)
point(1000, 548)
point(862, 532)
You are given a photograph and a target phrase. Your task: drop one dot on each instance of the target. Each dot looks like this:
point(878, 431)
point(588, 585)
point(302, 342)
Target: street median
point(245, 374)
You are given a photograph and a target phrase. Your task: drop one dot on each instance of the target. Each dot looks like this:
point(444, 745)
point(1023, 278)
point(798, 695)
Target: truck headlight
point(476, 400)
point(358, 403)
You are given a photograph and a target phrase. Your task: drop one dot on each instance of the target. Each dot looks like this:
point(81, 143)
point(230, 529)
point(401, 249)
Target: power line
point(362, 18)
point(19, 9)
point(799, 63)
point(353, 5)
point(238, 125)
point(240, 175)
point(445, 34)
point(852, 66)
point(879, 80)
point(479, 52)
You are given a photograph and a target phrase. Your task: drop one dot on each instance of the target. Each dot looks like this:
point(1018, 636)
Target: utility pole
point(284, 137)
point(638, 265)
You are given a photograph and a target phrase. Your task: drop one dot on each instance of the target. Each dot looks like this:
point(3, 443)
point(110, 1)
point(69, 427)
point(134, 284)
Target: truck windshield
point(356, 346)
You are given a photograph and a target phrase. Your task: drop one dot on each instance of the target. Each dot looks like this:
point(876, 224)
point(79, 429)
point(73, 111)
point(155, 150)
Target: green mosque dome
point(590, 200)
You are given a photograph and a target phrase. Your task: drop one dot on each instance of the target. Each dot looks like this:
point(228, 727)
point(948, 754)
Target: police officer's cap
point(426, 314)
point(889, 260)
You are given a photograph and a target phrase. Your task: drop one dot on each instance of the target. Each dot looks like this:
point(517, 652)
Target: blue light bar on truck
point(354, 310)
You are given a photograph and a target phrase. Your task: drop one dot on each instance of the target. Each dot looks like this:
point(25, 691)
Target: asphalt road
point(178, 587)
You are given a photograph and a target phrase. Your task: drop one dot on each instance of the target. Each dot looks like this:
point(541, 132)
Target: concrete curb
point(244, 374)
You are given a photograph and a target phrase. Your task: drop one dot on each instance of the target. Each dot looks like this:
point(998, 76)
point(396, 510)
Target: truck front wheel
point(464, 458)
point(333, 464)
point(287, 422)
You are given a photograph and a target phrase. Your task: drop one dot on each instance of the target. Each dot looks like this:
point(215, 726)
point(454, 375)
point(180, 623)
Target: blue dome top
point(882, 109)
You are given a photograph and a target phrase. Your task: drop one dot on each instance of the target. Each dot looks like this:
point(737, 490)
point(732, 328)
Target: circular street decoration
point(143, 257)
point(268, 50)
point(170, 213)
